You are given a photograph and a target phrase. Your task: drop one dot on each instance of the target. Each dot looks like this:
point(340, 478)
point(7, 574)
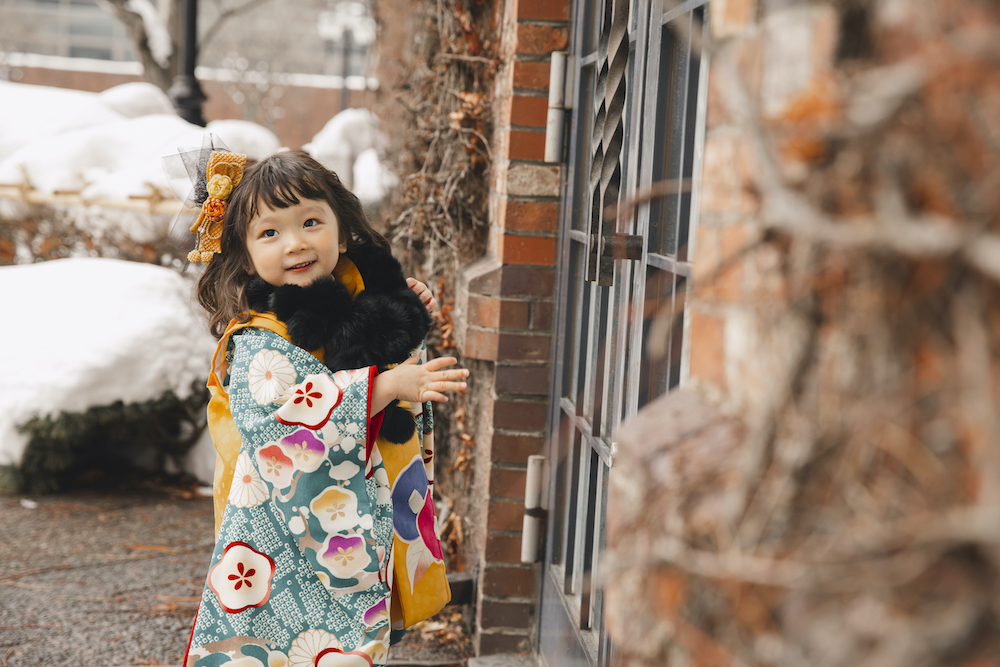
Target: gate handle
point(621, 246)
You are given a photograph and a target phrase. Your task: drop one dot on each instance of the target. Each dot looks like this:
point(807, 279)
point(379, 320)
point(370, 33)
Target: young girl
point(325, 520)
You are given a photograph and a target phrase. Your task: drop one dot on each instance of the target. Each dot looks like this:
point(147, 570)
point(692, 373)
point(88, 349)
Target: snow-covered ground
point(82, 333)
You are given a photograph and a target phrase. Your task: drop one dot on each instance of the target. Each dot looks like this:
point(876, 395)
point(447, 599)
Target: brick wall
point(507, 301)
point(815, 349)
point(785, 58)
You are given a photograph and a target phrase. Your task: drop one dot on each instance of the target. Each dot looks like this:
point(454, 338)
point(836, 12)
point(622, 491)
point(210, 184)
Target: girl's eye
point(311, 222)
point(269, 233)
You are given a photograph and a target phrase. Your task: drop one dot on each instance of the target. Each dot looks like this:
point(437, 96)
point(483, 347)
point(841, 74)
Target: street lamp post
point(349, 24)
point(345, 69)
point(185, 92)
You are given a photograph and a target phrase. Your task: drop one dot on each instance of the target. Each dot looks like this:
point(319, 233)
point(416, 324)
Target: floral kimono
point(327, 539)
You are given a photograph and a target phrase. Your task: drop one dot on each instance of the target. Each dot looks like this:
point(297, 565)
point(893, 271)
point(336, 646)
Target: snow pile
point(241, 136)
point(29, 113)
point(372, 178)
point(105, 154)
point(350, 144)
point(135, 99)
point(111, 160)
point(106, 146)
point(83, 333)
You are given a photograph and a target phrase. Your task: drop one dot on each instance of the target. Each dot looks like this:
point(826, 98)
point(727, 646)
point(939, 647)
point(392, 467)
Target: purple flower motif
point(305, 450)
point(376, 613)
point(345, 556)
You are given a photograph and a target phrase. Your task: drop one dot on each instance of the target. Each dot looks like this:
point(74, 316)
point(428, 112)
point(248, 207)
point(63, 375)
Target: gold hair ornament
point(224, 172)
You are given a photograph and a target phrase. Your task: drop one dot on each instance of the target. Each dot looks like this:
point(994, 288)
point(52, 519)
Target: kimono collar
point(347, 274)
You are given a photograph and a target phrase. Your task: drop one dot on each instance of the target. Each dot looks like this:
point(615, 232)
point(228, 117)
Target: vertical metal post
point(345, 68)
point(185, 92)
point(536, 507)
point(555, 120)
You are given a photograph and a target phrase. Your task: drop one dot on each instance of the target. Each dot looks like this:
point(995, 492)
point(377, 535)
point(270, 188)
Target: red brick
point(522, 347)
point(503, 548)
point(530, 111)
point(540, 39)
point(513, 314)
point(728, 176)
point(731, 17)
point(524, 280)
point(520, 415)
point(526, 145)
point(509, 581)
point(544, 10)
point(507, 483)
point(503, 643)
point(522, 380)
point(491, 312)
point(531, 216)
point(481, 344)
point(504, 515)
point(718, 248)
point(483, 277)
point(708, 360)
point(497, 614)
point(531, 75)
point(515, 448)
point(541, 319)
point(484, 311)
point(734, 242)
point(534, 250)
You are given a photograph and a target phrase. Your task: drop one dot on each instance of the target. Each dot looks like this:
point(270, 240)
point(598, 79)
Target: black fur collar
point(381, 326)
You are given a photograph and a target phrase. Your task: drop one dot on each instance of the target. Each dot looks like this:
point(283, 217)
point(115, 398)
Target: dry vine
point(440, 65)
point(439, 214)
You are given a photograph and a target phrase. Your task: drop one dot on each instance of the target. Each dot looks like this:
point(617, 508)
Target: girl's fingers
point(446, 385)
point(429, 395)
point(440, 362)
point(453, 374)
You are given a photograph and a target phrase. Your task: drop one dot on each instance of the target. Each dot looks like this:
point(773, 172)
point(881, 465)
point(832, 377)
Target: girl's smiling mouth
point(301, 267)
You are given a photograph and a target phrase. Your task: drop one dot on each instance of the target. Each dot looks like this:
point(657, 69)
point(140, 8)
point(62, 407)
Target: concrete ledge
point(503, 661)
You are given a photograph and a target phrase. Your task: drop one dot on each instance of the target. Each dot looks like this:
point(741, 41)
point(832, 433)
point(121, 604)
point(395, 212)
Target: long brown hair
point(279, 181)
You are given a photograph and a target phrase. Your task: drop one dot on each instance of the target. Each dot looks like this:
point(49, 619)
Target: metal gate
point(627, 226)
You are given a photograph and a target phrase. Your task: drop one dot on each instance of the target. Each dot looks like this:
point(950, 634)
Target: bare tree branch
point(153, 72)
point(224, 15)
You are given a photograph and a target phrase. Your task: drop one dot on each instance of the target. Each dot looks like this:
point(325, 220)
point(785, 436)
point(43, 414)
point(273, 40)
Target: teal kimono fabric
point(300, 572)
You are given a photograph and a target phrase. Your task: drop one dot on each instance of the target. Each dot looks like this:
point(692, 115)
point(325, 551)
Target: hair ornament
point(223, 173)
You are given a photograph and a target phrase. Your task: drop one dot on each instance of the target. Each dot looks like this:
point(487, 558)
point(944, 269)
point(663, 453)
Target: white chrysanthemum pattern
point(248, 489)
point(270, 374)
point(308, 645)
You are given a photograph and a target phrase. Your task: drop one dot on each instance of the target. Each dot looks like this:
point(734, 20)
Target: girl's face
point(294, 245)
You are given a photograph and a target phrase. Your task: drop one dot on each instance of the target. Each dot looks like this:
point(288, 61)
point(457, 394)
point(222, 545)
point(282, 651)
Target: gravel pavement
point(94, 579)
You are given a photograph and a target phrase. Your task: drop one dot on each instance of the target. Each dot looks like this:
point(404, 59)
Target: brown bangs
point(279, 186)
point(285, 179)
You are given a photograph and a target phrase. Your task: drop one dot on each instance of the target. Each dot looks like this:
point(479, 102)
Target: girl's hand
point(426, 382)
point(430, 303)
point(417, 383)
